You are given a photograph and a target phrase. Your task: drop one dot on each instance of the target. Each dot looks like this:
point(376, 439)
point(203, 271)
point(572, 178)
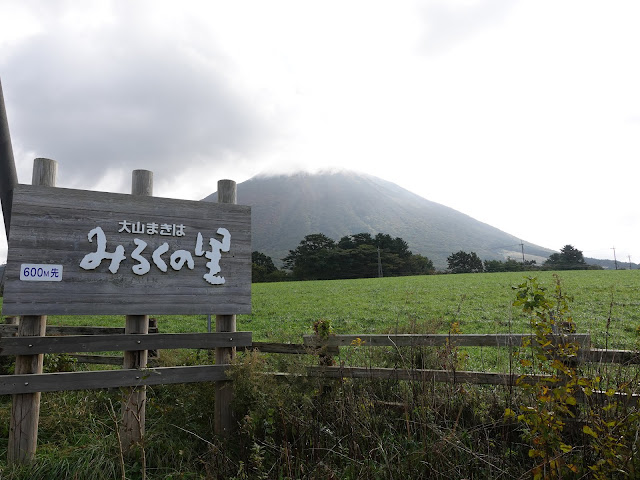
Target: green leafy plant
point(59, 362)
point(323, 328)
point(551, 380)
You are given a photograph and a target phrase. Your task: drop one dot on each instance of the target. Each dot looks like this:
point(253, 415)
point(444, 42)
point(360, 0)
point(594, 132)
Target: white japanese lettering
point(166, 229)
point(137, 227)
point(178, 259)
point(144, 266)
point(125, 227)
point(157, 259)
point(152, 228)
point(214, 256)
point(199, 250)
point(91, 261)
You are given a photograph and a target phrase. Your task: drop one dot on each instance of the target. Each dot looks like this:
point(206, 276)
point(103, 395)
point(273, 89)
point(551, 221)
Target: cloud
point(450, 23)
point(121, 97)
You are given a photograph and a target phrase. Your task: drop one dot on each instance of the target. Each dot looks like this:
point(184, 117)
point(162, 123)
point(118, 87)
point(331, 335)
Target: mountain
point(286, 208)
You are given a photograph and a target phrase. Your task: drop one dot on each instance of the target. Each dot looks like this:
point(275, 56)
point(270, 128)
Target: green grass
point(480, 303)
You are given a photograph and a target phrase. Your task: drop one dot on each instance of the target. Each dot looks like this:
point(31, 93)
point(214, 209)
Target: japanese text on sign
point(177, 260)
point(152, 228)
point(34, 272)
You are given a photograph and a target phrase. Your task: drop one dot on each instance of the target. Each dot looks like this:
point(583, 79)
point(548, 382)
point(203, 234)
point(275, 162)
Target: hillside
point(285, 208)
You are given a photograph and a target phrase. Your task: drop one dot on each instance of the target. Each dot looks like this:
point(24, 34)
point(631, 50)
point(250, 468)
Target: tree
point(509, 265)
point(420, 265)
point(263, 269)
point(463, 262)
point(396, 245)
point(569, 258)
point(354, 241)
point(314, 259)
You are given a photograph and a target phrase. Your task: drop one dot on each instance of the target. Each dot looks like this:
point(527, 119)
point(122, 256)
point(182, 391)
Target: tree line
point(363, 255)
point(569, 258)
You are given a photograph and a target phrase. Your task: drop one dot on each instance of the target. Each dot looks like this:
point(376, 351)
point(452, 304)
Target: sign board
point(77, 252)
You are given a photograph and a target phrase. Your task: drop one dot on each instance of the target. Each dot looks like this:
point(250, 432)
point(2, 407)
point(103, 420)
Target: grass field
point(480, 303)
point(357, 429)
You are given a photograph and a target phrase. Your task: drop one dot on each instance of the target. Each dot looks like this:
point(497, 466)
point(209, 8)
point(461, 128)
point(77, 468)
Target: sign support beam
point(135, 399)
point(25, 410)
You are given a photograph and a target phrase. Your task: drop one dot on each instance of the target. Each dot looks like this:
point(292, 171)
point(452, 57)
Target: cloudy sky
point(523, 114)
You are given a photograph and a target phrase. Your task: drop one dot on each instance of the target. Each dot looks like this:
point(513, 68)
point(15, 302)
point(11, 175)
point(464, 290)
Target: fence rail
point(11, 330)
point(435, 340)
point(56, 382)
point(124, 342)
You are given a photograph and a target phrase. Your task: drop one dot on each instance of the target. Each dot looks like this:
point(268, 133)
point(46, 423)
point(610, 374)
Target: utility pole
point(629, 262)
point(522, 247)
point(614, 257)
point(379, 264)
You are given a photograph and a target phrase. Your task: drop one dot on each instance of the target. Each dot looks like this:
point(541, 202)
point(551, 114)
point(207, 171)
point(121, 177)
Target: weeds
point(571, 429)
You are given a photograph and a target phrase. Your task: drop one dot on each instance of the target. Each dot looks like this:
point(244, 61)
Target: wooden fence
point(10, 329)
point(49, 382)
point(109, 339)
point(332, 346)
point(586, 354)
point(113, 339)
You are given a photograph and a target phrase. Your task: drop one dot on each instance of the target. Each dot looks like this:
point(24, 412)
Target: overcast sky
point(523, 114)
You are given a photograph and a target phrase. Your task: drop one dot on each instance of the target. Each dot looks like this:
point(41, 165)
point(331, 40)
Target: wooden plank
point(443, 376)
point(434, 340)
point(99, 359)
point(51, 227)
point(106, 360)
point(596, 355)
point(11, 330)
point(440, 376)
point(290, 348)
point(56, 382)
point(104, 343)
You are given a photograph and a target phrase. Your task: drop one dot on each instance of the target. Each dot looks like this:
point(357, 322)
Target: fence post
point(25, 410)
point(223, 414)
point(135, 399)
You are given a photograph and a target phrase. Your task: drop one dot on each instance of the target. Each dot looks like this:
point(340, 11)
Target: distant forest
point(363, 255)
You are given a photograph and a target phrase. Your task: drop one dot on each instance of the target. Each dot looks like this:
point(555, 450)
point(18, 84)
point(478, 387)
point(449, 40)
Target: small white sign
point(34, 272)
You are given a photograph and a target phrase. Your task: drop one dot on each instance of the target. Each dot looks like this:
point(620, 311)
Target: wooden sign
point(80, 253)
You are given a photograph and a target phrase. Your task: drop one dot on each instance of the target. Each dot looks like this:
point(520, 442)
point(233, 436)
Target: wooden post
point(223, 415)
point(25, 411)
point(135, 399)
